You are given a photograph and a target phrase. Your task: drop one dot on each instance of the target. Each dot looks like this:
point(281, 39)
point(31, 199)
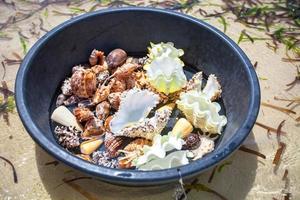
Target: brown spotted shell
point(99, 68)
point(141, 80)
point(114, 144)
point(93, 127)
point(107, 122)
point(114, 99)
point(130, 82)
point(71, 100)
point(137, 144)
point(83, 83)
point(101, 94)
point(102, 110)
point(83, 114)
point(118, 86)
point(97, 57)
point(132, 151)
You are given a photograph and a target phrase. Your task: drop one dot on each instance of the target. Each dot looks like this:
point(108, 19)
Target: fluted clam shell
point(177, 158)
point(164, 68)
point(160, 146)
point(201, 112)
point(134, 108)
point(166, 75)
point(164, 49)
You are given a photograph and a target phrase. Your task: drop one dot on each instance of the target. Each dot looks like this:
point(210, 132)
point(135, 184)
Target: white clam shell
point(134, 108)
point(175, 159)
point(164, 49)
point(160, 146)
point(164, 68)
point(201, 112)
point(166, 74)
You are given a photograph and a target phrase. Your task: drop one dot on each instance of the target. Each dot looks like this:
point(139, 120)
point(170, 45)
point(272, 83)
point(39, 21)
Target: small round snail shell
point(116, 58)
point(192, 141)
point(83, 83)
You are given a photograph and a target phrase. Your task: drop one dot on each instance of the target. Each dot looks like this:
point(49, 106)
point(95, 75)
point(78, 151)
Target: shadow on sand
point(233, 182)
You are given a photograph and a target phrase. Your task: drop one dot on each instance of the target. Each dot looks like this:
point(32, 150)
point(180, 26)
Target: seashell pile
point(114, 110)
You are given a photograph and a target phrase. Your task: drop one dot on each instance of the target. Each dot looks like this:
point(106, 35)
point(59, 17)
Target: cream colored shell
point(134, 107)
point(201, 112)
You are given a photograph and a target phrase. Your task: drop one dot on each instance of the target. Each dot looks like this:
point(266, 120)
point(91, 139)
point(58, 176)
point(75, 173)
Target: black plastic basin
point(50, 61)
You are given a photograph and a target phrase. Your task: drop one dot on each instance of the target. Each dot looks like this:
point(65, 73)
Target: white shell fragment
point(134, 108)
point(207, 145)
point(164, 68)
point(160, 146)
point(63, 116)
point(149, 127)
point(201, 112)
point(175, 159)
point(195, 83)
point(212, 88)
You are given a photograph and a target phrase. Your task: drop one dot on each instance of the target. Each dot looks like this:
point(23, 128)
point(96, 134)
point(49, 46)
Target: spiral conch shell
point(164, 68)
point(134, 107)
point(83, 83)
point(197, 105)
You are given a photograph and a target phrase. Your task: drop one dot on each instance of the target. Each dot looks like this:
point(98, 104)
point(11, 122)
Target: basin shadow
point(234, 181)
point(236, 176)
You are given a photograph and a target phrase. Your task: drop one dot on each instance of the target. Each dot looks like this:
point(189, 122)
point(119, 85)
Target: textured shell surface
point(134, 108)
point(212, 88)
point(164, 68)
point(201, 112)
point(195, 83)
point(161, 145)
point(174, 159)
point(83, 83)
point(149, 127)
point(206, 146)
point(164, 49)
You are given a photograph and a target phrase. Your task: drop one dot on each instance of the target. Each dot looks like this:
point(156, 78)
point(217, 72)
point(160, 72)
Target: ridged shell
point(147, 128)
point(164, 68)
point(212, 88)
point(161, 145)
point(134, 108)
point(175, 159)
point(83, 83)
point(83, 114)
point(93, 127)
point(201, 112)
point(113, 144)
point(195, 83)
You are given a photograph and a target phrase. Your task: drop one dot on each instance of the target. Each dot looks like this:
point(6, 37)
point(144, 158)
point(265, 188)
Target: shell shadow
point(52, 178)
point(234, 181)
